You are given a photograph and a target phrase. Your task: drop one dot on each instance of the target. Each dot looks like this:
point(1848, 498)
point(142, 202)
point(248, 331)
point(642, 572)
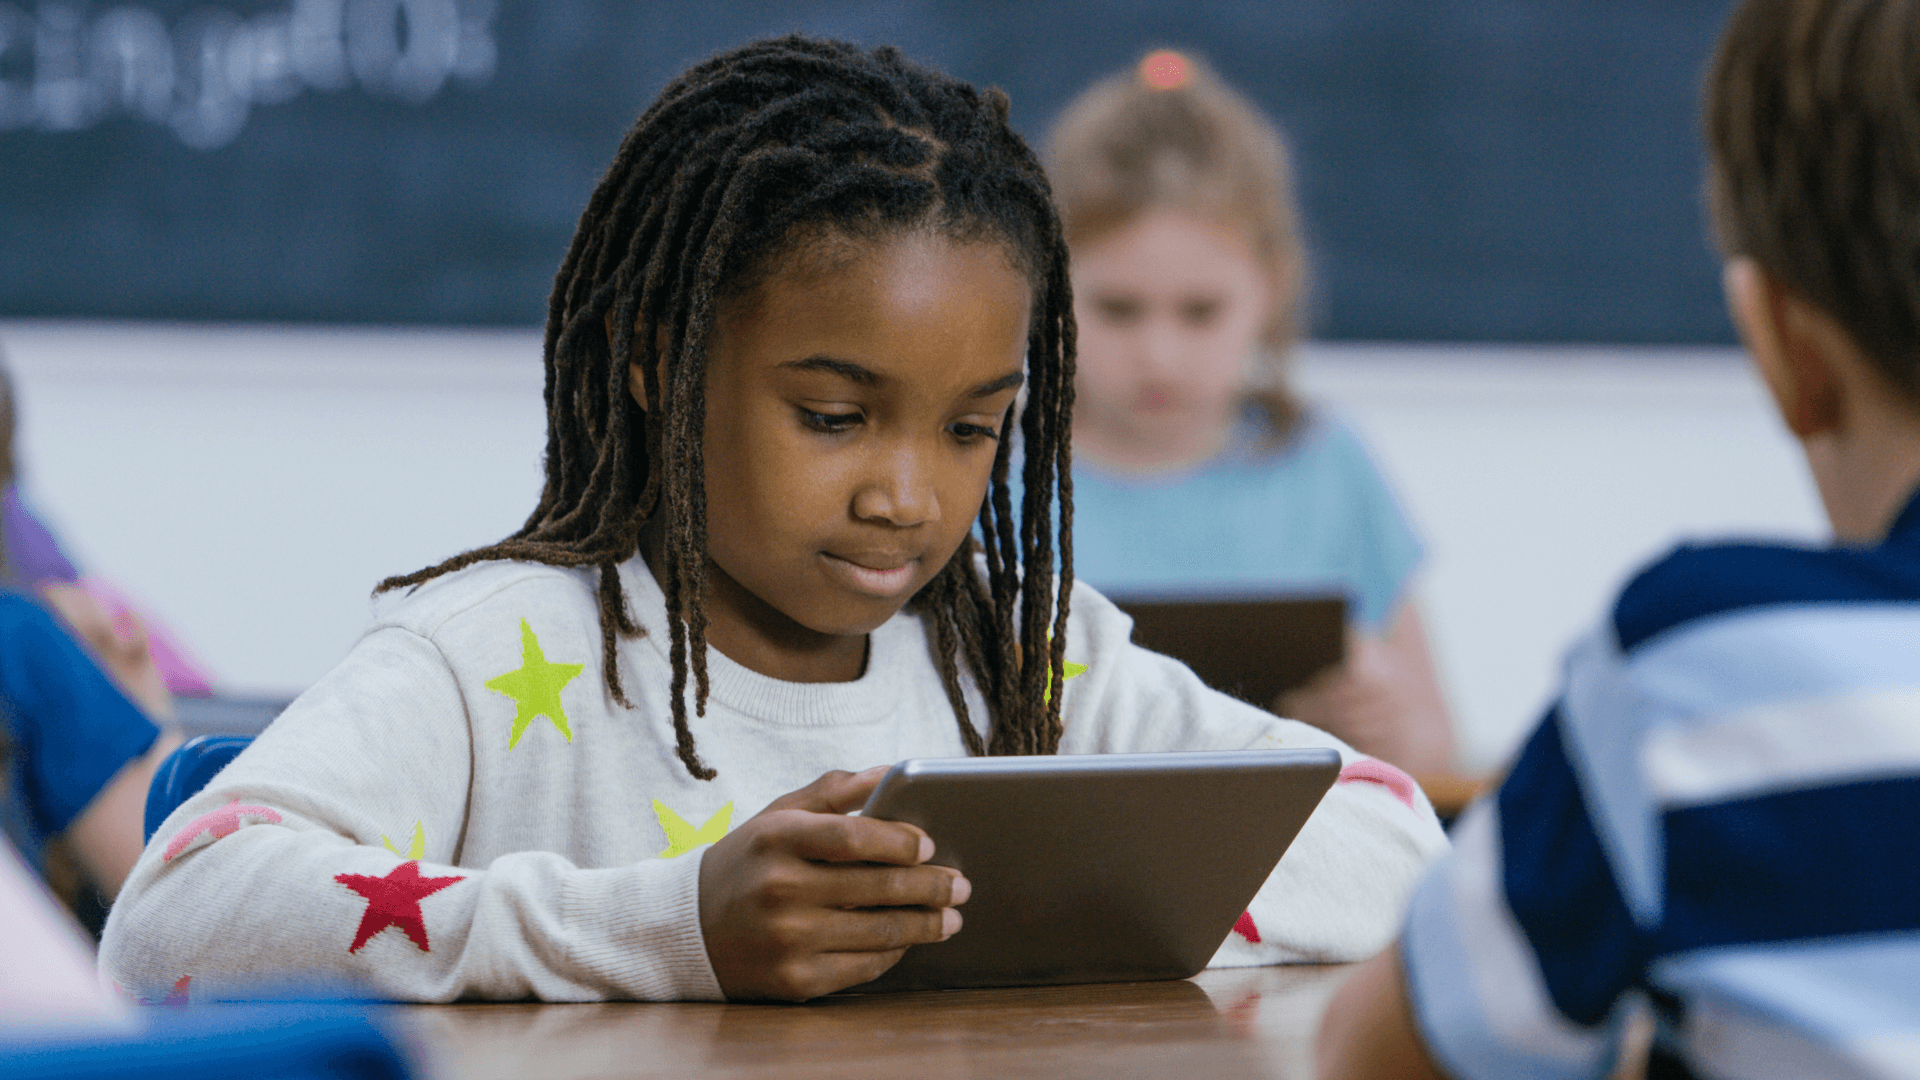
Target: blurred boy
point(1718, 816)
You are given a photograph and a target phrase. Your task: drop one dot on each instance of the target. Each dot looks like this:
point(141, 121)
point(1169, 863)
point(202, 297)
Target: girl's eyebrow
point(861, 376)
point(1011, 381)
point(846, 369)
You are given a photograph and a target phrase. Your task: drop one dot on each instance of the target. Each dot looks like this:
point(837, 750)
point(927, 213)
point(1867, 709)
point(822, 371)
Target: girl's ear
point(636, 384)
point(1286, 285)
point(1797, 348)
point(1280, 301)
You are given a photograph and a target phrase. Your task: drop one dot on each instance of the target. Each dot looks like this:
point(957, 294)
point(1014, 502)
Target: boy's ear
point(1798, 348)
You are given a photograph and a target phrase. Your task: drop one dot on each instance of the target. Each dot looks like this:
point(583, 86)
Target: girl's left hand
point(1383, 699)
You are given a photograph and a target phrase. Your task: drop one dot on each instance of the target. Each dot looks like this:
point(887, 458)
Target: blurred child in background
point(77, 752)
point(1196, 468)
point(146, 660)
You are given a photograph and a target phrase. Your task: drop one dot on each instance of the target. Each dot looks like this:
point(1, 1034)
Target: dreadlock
point(739, 162)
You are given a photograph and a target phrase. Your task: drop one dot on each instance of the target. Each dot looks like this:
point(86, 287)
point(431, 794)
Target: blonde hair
point(1171, 133)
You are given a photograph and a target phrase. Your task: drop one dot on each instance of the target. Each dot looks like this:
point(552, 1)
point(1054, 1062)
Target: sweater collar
point(874, 696)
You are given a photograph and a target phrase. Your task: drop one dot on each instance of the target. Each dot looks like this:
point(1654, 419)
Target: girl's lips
point(866, 579)
point(1154, 399)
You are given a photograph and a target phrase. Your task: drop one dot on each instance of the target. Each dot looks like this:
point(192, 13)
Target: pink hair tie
point(1164, 69)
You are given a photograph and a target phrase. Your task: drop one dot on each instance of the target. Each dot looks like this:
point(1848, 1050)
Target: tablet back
point(1254, 647)
point(1098, 867)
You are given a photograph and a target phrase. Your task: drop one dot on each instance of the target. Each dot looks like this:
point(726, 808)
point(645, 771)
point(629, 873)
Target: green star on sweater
point(535, 687)
point(682, 837)
point(1068, 669)
point(416, 850)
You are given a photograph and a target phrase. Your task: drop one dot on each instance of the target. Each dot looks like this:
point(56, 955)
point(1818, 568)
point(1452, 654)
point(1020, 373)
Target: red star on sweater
point(1245, 928)
point(394, 900)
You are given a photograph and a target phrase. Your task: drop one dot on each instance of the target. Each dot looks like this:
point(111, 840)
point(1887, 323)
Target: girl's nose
point(900, 491)
point(1160, 348)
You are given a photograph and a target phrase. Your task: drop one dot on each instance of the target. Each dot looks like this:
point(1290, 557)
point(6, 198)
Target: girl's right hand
point(803, 900)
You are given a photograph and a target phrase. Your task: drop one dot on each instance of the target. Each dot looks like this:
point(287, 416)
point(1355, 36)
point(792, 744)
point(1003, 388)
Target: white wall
point(252, 483)
point(1542, 478)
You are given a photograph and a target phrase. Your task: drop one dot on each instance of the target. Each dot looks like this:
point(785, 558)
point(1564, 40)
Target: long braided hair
point(742, 161)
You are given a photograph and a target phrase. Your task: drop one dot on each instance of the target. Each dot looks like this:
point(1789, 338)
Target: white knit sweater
point(420, 821)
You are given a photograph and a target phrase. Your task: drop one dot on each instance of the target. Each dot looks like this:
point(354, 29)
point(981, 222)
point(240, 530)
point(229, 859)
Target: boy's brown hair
point(1813, 122)
point(1126, 146)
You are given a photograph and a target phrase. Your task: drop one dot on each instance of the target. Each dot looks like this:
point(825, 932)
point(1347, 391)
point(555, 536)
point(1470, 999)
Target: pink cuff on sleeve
point(1375, 771)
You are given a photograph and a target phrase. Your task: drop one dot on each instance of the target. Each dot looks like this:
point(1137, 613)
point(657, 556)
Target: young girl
point(783, 359)
point(1197, 469)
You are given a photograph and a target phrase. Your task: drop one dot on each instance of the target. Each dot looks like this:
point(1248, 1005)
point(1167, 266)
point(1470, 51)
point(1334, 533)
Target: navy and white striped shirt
point(1721, 816)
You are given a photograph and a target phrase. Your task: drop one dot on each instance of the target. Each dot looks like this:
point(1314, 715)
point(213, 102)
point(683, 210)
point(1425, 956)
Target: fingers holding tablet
point(929, 887)
point(885, 930)
point(802, 900)
point(835, 792)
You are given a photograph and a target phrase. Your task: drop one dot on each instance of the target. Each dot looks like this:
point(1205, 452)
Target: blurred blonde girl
point(1196, 468)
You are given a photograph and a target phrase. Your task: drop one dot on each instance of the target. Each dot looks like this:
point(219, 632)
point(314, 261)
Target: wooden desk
point(1248, 1022)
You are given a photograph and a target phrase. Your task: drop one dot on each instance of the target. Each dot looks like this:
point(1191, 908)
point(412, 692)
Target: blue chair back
point(186, 771)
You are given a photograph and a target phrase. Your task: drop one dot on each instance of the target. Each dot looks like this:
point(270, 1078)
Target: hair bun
point(1165, 69)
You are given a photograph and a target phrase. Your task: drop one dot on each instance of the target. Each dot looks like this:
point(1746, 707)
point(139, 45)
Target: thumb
point(834, 793)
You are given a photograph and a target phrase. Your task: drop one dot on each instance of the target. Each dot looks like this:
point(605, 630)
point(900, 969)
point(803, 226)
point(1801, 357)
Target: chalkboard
point(1500, 170)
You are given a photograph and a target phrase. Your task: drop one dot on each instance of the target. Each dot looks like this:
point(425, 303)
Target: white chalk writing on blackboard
point(61, 70)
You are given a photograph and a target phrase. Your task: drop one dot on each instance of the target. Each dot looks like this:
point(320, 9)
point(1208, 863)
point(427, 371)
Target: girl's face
point(853, 412)
point(1169, 306)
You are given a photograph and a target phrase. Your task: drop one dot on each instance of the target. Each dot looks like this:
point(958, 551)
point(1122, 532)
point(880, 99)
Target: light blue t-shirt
point(1314, 514)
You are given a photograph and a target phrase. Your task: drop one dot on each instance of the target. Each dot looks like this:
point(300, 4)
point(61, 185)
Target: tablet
point(1253, 647)
point(1097, 867)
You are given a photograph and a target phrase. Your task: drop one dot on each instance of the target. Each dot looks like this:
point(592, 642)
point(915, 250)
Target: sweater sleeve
point(1339, 892)
point(281, 869)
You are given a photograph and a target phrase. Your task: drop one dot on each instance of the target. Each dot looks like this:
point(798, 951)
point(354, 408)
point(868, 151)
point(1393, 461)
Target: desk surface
point(1249, 1022)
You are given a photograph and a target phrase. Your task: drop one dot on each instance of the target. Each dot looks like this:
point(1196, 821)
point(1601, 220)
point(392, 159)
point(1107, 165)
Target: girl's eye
point(831, 423)
point(1118, 310)
point(969, 433)
point(1200, 313)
